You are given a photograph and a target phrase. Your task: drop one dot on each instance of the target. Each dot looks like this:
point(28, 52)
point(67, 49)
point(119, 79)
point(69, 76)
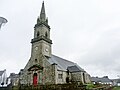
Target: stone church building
point(45, 68)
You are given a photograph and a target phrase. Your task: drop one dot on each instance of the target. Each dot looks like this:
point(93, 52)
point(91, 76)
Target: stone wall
point(80, 77)
point(45, 76)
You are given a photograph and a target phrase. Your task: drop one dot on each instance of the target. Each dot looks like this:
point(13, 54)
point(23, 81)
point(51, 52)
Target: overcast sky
point(86, 32)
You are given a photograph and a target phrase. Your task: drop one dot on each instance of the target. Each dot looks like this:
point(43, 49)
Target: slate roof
point(103, 80)
point(63, 64)
point(1, 72)
point(13, 75)
point(117, 80)
point(95, 79)
point(74, 68)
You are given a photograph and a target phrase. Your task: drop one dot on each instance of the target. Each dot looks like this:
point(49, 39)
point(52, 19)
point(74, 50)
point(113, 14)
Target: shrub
point(90, 86)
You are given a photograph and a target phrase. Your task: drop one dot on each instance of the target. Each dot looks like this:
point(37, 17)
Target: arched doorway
point(35, 79)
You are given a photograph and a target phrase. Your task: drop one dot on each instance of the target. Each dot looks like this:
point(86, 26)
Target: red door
point(35, 79)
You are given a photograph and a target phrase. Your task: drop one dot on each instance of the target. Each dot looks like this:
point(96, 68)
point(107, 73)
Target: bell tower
point(41, 43)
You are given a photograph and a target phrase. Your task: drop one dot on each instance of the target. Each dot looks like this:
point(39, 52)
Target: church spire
point(42, 13)
point(42, 20)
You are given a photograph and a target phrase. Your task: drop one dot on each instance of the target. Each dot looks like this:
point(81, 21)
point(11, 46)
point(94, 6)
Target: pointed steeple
point(42, 19)
point(42, 13)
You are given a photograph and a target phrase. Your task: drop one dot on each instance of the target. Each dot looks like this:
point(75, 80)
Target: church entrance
point(35, 81)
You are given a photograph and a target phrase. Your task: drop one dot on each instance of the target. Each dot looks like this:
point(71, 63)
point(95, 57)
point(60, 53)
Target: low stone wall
point(52, 87)
point(102, 88)
point(3, 88)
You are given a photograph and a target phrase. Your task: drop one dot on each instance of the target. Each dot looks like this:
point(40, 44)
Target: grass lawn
point(116, 88)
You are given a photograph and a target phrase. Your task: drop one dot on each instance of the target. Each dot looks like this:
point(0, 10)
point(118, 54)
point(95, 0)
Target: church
point(45, 68)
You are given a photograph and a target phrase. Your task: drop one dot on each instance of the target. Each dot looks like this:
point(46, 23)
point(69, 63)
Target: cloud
point(104, 53)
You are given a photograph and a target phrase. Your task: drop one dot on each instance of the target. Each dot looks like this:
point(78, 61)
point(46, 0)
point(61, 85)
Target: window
point(60, 76)
point(38, 34)
point(36, 60)
point(46, 35)
point(68, 72)
point(67, 79)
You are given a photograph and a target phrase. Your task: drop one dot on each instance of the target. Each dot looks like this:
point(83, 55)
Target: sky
point(86, 32)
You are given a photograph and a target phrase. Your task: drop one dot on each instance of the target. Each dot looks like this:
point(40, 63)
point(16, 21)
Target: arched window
point(38, 34)
point(46, 35)
point(67, 79)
